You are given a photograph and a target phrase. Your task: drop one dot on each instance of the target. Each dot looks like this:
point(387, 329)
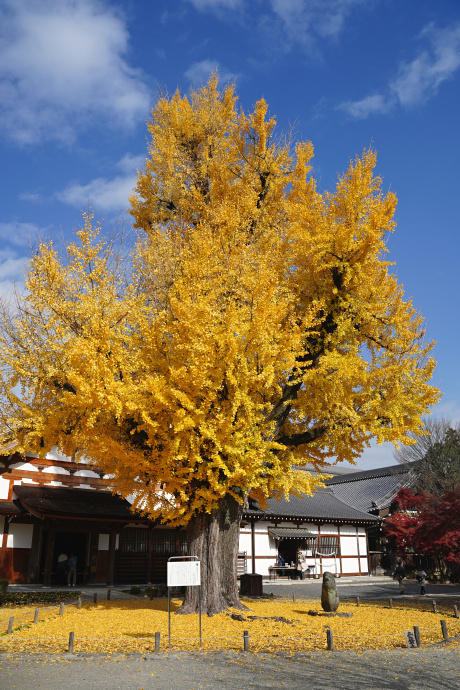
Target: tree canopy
point(256, 326)
point(427, 523)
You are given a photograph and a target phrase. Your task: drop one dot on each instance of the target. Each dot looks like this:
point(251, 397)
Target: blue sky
point(78, 79)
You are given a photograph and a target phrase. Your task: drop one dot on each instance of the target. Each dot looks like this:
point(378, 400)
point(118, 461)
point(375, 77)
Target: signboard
point(184, 574)
point(410, 639)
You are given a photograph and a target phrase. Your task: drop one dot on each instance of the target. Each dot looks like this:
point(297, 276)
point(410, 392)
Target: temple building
point(53, 507)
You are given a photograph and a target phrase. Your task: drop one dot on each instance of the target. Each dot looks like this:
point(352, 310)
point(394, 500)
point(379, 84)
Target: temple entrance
point(70, 543)
point(65, 543)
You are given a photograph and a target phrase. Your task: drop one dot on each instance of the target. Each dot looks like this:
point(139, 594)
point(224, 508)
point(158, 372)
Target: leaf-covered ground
point(130, 626)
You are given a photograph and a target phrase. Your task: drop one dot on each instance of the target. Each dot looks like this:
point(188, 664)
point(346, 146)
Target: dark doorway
point(71, 543)
point(288, 550)
point(66, 543)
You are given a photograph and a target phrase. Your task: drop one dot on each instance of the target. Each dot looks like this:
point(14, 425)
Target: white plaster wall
point(329, 529)
point(347, 529)
point(262, 544)
point(261, 566)
point(55, 469)
point(362, 530)
point(54, 484)
point(245, 543)
point(28, 481)
point(86, 486)
point(4, 487)
point(19, 536)
point(350, 565)
point(364, 566)
point(103, 542)
point(362, 546)
point(348, 546)
point(86, 473)
point(2, 525)
point(24, 466)
point(330, 565)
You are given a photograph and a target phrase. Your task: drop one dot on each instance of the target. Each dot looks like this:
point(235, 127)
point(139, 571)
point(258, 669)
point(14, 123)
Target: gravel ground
point(418, 669)
point(429, 668)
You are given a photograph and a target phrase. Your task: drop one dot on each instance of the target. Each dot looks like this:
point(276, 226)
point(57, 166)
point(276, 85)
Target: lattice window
point(164, 541)
point(135, 541)
point(328, 546)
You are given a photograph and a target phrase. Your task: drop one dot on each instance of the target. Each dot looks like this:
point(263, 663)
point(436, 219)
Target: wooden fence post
point(390, 603)
point(71, 640)
point(157, 641)
point(79, 603)
point(435, 608)
point(95, 597)
point(455, 611)
point(357, 601)
point(330, 639)
point(61, 608)
point(10, 624)
point(417, 635)
point(246, 640)
point(36, 616)
point(444, 630)
point(109, 594)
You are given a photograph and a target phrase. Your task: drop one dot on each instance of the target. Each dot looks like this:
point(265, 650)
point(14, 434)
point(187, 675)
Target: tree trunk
point(213, 538)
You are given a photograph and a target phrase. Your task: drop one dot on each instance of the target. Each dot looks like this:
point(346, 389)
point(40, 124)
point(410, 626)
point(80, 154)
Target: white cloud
point(288, 22)
point(200, 72)
point(18, 233)
point(62, 67)
point(12, 271)
point(370, 105)
point(213, 5)
point(102, 193)
point(417, 80)
point(305, 20)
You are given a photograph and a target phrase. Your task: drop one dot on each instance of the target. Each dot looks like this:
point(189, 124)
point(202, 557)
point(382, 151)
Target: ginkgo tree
point(255, 327)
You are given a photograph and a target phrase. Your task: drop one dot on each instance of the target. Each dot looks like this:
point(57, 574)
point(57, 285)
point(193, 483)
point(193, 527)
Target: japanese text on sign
point(184, 573)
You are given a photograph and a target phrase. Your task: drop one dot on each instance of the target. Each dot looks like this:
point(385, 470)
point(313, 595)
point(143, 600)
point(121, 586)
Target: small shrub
point(135, 590)
point(25, 598)
point(3, 585)
point(151, 592)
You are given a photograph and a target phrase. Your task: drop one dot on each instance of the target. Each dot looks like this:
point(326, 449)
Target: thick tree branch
point(302, 438)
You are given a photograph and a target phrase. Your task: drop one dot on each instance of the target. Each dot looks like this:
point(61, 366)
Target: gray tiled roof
point(372, 489)
point(322, 505)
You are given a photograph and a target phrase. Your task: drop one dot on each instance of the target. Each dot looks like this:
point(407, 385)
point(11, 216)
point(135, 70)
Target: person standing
point(301, 564)
point(400, 575)
point(421, 579)
point(71, 570)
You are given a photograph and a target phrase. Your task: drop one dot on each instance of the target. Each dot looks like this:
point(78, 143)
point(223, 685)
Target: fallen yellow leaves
point(130, 626)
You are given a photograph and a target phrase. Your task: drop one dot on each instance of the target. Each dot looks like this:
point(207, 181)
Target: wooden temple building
point(54, 506)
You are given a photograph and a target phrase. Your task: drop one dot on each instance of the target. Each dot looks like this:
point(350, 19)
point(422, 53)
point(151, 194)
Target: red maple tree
point(427, 523)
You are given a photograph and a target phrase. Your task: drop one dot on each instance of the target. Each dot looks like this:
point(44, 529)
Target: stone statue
point(329, 594)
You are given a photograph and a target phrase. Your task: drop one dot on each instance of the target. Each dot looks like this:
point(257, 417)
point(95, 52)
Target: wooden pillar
point(358, 549)
point(150, 554)
point(253, 546)
point(49, 557)
point(111, 558)
point(35, 552)
point(3, 572)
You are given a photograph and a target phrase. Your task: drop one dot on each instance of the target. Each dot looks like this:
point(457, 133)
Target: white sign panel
point(184, 573)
